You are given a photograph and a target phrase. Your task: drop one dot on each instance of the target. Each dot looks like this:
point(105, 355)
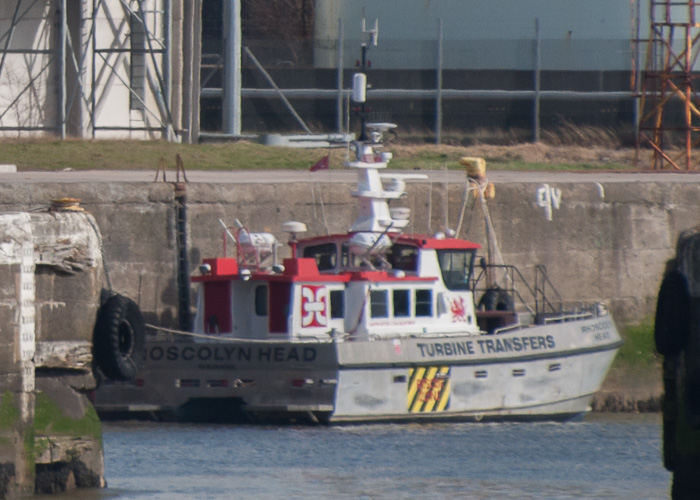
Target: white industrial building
point(496, 34)
point(128, 68)
point(95, 68)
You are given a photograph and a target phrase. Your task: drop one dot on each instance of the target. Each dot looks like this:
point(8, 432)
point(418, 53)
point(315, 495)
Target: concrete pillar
point(51, 275)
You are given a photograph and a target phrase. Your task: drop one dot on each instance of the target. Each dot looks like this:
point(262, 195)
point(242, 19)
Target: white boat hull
point(515, 389)
point(540, 372)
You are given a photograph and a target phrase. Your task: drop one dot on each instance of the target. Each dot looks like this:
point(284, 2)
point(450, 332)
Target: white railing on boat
point(568, 317)
point(507, 328)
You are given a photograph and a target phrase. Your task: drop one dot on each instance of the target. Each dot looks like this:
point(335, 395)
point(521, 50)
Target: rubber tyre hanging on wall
point(672, 323)
point(119, 338)
point(496, 299)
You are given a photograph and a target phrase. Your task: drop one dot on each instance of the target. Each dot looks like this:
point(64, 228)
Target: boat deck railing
point(568, 317)
point(507, 282)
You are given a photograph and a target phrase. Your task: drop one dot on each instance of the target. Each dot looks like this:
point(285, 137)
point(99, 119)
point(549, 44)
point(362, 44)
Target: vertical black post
point(363, 106)
point(183, 267)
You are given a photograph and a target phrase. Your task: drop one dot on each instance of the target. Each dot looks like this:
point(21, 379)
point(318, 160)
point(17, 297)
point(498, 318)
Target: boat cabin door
point(279, 299)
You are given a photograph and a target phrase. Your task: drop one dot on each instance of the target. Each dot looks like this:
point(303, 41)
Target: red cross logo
point(313, 306)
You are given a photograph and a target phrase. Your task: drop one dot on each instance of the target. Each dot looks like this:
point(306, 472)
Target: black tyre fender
point(119, 338)
point(505, 302)
point(672, 322)
point(489, 300)
point(496, 299)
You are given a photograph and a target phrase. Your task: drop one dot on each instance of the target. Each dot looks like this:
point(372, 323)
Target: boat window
point(403, 257)
point(424, 303)
point(261, 300)
point(456, 268)
point(345, 256)
point(349, 260)
point(402, 304)
point(337, 304)
point(379, 307)
point(326, 255)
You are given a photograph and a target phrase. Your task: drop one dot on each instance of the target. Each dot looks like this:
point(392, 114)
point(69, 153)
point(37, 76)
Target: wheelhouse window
point(456, 267)
point(424, 303)
point(350, 260)
point(379, 304)
point(403, 257)
point(402, 303)
point(337, 304)
point(326, 255)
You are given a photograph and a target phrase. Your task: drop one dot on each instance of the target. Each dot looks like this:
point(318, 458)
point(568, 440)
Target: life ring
point(672, 322)
point(496, 299)
point(119, 338)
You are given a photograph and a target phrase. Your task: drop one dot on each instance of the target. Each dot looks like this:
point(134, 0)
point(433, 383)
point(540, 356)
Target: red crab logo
point(313, 306)
point(459, 310)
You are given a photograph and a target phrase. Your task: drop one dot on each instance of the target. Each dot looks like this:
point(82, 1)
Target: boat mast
point(360, 79)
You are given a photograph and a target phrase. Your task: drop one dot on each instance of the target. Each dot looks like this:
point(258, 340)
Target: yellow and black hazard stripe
point(429, 389)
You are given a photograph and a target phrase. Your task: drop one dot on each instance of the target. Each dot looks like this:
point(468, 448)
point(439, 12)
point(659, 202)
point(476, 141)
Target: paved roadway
point(287, 176)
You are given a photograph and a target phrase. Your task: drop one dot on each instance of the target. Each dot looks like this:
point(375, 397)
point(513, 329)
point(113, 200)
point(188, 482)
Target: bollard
point(677, 338)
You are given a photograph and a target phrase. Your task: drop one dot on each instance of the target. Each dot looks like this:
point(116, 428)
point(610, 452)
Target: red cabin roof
point(418, 240)
point(429, 242)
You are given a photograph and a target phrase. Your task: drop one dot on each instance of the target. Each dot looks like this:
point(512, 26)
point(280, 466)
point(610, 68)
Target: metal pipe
point(196, 64)
point(637, 69)
point(76, 92)
point(30, 51)
point(93, 38)
point(340, 95)
point(438, 95)
point(188, 70)
point(62, 31)
point(428, 94)
point(538, 80)
point(28, 129)
point(167, 64)
point(232, 67)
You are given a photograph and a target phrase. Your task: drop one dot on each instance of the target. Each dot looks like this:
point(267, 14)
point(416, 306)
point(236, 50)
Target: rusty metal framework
point(88, 68)
point(669, 102)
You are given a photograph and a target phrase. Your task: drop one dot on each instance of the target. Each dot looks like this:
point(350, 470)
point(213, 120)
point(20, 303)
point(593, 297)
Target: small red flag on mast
point(321, 164)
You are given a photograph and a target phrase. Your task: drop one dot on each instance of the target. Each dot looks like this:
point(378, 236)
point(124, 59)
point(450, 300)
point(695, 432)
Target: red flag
point(321, 164)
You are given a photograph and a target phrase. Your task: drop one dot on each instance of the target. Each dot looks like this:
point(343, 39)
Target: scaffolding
point(88, 68)
point(669, 103)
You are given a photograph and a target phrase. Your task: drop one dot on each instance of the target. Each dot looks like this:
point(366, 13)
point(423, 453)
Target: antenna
point(373, 33)
point(360, 79)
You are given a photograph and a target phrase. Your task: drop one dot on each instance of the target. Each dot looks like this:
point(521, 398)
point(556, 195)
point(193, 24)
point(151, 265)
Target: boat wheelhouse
point(377, 323)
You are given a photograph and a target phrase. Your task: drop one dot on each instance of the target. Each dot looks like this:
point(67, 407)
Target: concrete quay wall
point(606, 241)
